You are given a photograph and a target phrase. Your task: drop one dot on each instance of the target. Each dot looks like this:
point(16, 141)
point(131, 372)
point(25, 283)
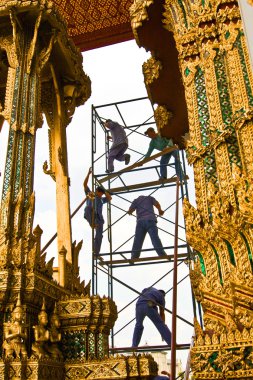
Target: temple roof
point(96, 23)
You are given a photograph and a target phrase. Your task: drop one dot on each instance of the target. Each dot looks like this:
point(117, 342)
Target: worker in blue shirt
point(93, 211)
point(147, 306)
point(146, 223)
point(119, 144)
point(160, 143)
point(159, 377)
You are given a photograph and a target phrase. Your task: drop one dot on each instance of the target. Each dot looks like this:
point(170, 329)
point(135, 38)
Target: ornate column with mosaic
point(218, 84)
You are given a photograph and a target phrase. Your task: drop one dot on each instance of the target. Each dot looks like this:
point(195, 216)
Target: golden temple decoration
point(217, 76)
point(151, 70)
point(139, 14)
point(162, 117)
point(15, 334)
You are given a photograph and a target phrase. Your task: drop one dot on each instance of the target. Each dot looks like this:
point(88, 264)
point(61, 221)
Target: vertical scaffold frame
point(124, 183)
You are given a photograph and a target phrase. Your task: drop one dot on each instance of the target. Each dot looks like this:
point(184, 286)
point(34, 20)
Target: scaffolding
point(114, 268)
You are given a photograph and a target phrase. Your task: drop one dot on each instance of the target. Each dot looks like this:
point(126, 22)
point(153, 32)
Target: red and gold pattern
point(93, 24)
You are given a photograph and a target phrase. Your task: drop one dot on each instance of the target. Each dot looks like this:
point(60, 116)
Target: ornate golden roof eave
point(109, 36)
point(64, 50)
point(94, 24)
point(167, 89)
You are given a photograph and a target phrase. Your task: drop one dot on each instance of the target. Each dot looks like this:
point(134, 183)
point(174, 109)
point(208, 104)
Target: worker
point(159, 377)
point(161, 143)
point(119, 144)
point(94, 215)
point(147, 306)
point(146, 222)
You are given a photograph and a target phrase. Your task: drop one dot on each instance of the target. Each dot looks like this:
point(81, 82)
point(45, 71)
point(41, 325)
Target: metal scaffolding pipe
point(174, 299)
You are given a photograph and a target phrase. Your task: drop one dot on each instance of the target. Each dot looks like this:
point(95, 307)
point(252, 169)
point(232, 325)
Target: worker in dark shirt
point(147, 306)
point(119, 144)
point(93, 211)
point(146, 223)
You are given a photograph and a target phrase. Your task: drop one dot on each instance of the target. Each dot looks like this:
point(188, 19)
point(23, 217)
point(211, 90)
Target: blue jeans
point(142, 311)
point(164, 162)
point(116, 153)
point(98, 238)
point(142, 227)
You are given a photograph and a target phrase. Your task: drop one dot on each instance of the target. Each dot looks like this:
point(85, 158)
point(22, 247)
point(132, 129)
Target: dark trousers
point(116, 153)
point(142, 228)
point(144, 310)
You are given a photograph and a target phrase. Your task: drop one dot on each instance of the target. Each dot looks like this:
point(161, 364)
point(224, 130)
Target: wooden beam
point(131, 261)
point(142, 185)
point(139, 163)
point(145, 184)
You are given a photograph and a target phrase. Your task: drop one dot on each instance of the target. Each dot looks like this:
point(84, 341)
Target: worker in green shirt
point(160, 143)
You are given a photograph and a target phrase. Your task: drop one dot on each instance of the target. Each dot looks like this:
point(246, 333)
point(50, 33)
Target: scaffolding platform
point(146, 348)
point(161, 259)
point(138, 164)
point(143, 185)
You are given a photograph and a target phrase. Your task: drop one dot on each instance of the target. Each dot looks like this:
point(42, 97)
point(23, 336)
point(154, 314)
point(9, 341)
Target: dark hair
point(149, 129)
point(108, 120)
point(162, 291)
point(101, 189)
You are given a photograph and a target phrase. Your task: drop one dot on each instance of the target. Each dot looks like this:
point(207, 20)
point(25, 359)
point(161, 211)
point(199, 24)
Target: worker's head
point(107, 122)
point(151, 133)
point(100, 191)
point(162, 291)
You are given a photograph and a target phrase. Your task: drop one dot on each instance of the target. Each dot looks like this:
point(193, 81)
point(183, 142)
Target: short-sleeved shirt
point(144, 206)
point(98, 204)
point(151, 294)
point(158, 143)
point(118, 134)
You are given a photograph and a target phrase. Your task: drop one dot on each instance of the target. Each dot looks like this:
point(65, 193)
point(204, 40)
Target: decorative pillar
point(217, 75)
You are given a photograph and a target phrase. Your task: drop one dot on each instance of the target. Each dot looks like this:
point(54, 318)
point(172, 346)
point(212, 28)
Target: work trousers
point(164, 162)
point(142, 228)
point(144, 310)
point(116, 153)
point(98, 238)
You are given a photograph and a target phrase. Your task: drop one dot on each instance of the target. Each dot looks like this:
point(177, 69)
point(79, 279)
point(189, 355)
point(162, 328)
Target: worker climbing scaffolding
point(93, 211)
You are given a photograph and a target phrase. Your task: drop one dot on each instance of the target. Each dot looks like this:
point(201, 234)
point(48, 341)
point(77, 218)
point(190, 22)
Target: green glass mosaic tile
point(203, 111)
point(19, 161)
point(202, 263)
point(248, 250)
point(15, 96)
point(187, 71)
point(226, 109)
point(180, 3)
point(227, 35)
point(74, 345)
point(230, 252)
point(8, 164)
point(218, 264)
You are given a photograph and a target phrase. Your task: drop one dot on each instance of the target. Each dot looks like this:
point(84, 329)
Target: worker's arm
point(150, 150)
point(130, 211)
point(108, 196)
point(86, 179)
point(162, 314)
point(158, 206)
